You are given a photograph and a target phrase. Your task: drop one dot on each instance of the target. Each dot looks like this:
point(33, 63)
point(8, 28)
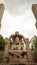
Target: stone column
point(7, 47)
point(29, 56)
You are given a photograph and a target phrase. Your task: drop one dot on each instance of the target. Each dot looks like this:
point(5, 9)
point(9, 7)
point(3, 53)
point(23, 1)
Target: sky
point(18, 16)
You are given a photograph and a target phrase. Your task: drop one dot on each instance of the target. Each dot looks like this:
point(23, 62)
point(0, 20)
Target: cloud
point(18, 16)
point(18, 7)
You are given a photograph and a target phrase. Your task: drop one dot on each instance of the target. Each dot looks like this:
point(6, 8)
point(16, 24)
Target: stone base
point(18, 64)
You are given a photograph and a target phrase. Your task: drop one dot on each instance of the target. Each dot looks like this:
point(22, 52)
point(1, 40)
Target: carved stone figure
point(17, 50)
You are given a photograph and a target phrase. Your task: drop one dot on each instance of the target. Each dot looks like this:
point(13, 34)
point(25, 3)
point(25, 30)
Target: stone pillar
point(1, 12)
point(36, 24)
point(7, 47)
point(29, 56)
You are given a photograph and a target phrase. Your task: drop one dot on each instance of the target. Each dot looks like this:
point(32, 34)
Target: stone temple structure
point(17, 53)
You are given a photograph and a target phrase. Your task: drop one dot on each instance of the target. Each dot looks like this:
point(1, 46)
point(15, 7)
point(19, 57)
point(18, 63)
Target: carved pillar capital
point(6, 41)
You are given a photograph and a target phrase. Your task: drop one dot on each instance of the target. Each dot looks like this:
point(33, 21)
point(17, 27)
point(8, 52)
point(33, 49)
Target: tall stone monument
point(1, 12)
point(34, 9)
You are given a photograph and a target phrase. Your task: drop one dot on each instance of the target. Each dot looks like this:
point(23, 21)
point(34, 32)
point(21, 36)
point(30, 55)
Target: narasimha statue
point(17, 52)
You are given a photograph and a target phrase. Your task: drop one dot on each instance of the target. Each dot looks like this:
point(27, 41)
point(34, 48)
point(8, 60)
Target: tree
point(2, 45)
point(34, 41)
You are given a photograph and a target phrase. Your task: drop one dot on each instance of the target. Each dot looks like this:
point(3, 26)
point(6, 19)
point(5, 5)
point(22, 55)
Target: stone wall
point(1, 56)
point(34, 55)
